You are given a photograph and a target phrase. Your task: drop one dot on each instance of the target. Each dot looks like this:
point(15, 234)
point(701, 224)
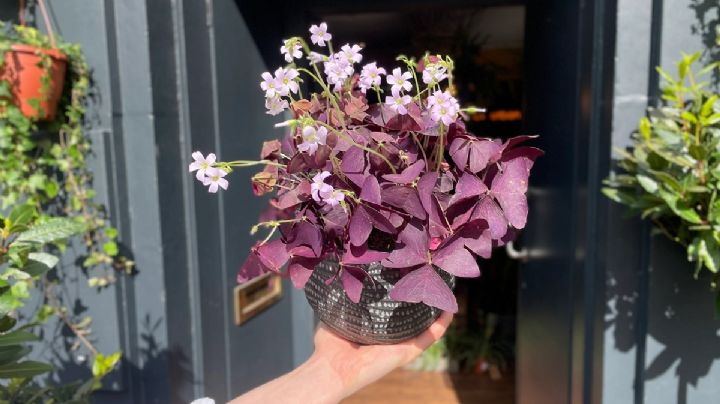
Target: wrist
point(326, 385)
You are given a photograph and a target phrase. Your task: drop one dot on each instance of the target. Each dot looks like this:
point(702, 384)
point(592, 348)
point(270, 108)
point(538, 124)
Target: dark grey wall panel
point(569, 92)
point(262, 348)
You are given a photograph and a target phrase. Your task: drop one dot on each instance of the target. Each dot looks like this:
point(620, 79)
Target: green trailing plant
point(46, 163)
point(25, 242)
point(670, 174)
point(46, 186)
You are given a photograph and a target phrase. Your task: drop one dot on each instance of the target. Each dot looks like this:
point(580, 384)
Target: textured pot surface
point(23, 71)
point(376, 319)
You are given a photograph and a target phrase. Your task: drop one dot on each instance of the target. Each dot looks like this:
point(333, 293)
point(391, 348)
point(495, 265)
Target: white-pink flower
point(320, 34)
point(433, 73)
point(333, 197)
point(318, 185)
point(269, 85)
point(399, 80)
point(338, 69)
point(397, 102)
point(370, 76)
point(439, 98)
point(316, 58)
point(312, 139)
point(214, 179)
point(275, 105)
point(291, 50)
point(201, 164)
point(351, 53)
point(286, 81)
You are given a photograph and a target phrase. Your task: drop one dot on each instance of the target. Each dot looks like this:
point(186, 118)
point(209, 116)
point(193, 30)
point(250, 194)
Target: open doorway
point(475, 361)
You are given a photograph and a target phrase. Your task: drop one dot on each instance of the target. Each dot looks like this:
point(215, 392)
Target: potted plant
point(34, 67)
point(378, 206)
point(671, 172)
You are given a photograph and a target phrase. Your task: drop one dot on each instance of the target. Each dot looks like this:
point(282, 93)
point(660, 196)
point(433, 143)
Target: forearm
point(312, 382)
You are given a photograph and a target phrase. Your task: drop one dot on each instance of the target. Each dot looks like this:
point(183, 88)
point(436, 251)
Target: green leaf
point(102, 364)
point(14, 353)
point(644, 127)
point(52, 189)
point(665, 75)
point(54, 229)
point(707, 107)
point(110, 248)
point(712, 119)
point(49, 260)
point(21, 217)
point(648, 184)
point(685, 212)
point(17, 337)
point(698, 151)
point(7, 322)
point(24, 369)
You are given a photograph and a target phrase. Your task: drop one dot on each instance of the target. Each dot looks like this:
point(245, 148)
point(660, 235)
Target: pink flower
point(275, 105)
point(318, 185)
point(214, 179)
point(370, 76)
point(291, 50)
point(338, 69)
point(399, 80)
point(322, 192)
point(316, 58)
point(443, 107)
point(312, 138)
point(440, 98)
point(397, 102)
point(286, 81)
point(201, 164)
point(320, 34)
point(352, 54)
point(332, 197)
point(269, 85)
point(434, 73)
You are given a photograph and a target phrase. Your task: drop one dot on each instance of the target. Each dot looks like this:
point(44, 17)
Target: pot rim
point(54, 53)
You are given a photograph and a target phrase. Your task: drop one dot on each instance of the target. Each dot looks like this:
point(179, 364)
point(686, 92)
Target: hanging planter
point(35, 73)
point(379, 206)
point(670, 174)
point(36, 77)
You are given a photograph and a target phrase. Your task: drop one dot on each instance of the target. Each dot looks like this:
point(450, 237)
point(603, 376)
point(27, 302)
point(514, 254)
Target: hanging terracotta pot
point(24, 70)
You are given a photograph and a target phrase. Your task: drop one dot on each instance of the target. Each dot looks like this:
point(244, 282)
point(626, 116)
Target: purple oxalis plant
point(399, 182)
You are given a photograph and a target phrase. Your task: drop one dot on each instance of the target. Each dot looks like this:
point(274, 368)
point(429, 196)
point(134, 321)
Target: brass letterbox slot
point(253, 297)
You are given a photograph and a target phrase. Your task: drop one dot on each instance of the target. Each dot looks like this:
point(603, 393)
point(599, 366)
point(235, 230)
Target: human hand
point(355, 366)
point(338, 368)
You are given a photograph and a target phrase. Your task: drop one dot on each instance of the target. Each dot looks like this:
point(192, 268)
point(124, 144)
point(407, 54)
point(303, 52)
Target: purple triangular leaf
point(424, 285)
point(273, 254)
point(370, 191)
point(412, 249)
point(455, 259)
point(509, 188)
point(300, 269)
point(360, 226)
point(306, 234)
point(362, 255)
point(468, 186)
point(405, 198)
point(489, 210)
point(352, 285)
point(408, 175)
point(482, 152)
point(251, 268)
point(353, 165)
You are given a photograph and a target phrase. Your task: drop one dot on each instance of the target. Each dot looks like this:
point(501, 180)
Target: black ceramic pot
point(376, 319)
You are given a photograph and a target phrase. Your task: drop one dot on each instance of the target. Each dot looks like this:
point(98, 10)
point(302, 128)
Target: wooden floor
point(407, 386)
